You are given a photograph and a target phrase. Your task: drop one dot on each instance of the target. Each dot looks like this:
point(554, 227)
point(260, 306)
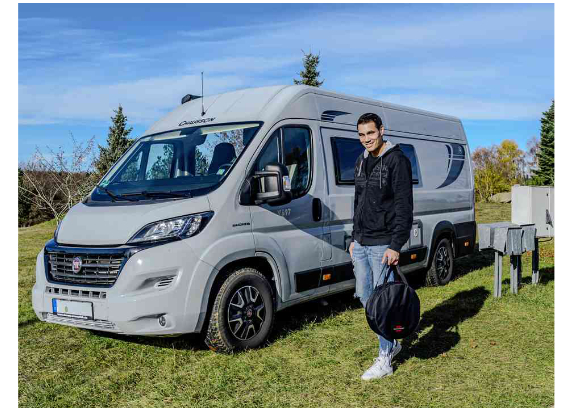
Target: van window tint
point(270, 152)
point(193, 160)
point(297, 158)
point(290, 146)
point(346, 152)
point(132, 169)
point(409, 151)
point(160, 157)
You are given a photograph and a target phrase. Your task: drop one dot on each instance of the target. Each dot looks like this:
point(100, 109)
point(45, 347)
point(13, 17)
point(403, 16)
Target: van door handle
point(316, 209)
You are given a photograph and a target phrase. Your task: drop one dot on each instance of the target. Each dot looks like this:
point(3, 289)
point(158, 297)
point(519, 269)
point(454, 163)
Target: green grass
point(472, 350)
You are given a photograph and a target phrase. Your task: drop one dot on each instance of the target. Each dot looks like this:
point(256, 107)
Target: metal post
point(497, 274)
point(535, 263)
point(519, 280)
point(513, 273)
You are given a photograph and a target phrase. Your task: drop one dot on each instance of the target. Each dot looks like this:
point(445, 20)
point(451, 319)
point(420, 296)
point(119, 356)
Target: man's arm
point(403, 202)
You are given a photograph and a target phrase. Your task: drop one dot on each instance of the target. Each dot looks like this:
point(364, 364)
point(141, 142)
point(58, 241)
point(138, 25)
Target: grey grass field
point(471, 350)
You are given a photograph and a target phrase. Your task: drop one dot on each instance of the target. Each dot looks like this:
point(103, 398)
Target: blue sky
point(492, 65)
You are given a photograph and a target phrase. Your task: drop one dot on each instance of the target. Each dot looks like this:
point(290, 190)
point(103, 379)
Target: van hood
point(115, 225)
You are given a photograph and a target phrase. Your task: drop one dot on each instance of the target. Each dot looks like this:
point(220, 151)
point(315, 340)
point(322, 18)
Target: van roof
point(273, 103)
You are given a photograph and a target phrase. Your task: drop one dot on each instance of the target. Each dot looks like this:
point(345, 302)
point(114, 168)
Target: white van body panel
point(115, 225)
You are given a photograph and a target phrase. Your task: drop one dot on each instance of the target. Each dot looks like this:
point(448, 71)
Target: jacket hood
point(388, 147)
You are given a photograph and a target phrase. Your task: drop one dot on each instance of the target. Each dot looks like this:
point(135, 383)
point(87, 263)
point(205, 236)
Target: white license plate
point(82, 310)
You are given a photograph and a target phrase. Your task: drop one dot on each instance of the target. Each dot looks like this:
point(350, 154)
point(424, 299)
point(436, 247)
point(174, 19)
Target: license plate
point(81, 310)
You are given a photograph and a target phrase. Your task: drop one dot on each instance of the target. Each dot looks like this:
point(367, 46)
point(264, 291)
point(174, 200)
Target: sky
point(491, 65)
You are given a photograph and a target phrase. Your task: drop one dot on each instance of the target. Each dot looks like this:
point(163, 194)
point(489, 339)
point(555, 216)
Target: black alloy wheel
point(442, 266)
point(242, 313)
point(246, 313)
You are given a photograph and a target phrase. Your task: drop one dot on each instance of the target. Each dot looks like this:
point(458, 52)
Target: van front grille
point(90, 268)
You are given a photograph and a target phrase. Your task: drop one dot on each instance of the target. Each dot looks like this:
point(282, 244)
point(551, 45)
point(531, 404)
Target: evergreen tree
point(309, 76)
point(117, 142)
point(545, 173)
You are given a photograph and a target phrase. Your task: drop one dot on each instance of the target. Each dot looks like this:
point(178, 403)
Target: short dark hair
point(370, 117)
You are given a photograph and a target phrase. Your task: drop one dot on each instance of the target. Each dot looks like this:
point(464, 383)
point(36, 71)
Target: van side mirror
point(273, 186)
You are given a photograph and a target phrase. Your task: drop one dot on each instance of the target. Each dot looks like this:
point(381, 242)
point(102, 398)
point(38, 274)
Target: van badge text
point(242, 224)
point(193, 122)
point(285, 212)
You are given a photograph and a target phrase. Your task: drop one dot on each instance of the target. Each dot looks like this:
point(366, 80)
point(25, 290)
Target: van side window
point(290, 146)
point(297, 158)
point(346, 152)
point(409, 151)
point(270, 153)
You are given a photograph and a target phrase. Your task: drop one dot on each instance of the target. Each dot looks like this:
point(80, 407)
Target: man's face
point(370, 136)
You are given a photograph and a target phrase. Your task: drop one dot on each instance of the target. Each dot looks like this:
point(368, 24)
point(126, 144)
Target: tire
point(242, 314)
point(442, 266)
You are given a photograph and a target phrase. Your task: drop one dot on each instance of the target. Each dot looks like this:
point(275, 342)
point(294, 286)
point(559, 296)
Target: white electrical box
point(534, 205)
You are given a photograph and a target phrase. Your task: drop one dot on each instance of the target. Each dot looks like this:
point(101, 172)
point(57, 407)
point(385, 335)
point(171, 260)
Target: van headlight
point(173, 228)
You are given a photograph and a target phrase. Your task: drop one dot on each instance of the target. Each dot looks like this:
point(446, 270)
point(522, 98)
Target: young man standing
point(383, 217)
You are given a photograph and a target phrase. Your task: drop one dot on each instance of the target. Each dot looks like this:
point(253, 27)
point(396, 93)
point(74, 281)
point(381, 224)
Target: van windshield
point(183, 163)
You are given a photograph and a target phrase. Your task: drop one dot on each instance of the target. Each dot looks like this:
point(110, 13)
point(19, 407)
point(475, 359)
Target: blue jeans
point(369, 273)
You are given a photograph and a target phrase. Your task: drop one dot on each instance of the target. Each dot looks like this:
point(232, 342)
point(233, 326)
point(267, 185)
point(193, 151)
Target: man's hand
point(391, 256)
point(351, 249)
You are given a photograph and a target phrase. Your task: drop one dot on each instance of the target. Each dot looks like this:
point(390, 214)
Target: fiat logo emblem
point(77, 264)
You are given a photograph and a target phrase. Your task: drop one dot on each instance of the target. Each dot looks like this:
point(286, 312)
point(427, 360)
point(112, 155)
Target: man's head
point(370, 130)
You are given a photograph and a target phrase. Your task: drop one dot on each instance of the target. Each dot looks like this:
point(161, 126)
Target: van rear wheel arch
point(444, 230)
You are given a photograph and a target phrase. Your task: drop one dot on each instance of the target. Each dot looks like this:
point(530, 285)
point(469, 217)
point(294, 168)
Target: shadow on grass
point(28, 322)
point(296, 317)
point(289, 320)
point(440, 325)
point(190, 341)
point(546, 275)
point(477, 260)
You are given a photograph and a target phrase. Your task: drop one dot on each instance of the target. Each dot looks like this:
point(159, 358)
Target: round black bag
point(393, 310)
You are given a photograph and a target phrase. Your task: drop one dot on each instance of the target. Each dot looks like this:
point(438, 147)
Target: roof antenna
point(203, 112)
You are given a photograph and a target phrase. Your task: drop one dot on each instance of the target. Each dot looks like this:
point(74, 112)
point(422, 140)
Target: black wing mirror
point(271, 186)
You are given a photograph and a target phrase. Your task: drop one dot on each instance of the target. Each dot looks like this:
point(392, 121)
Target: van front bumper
point(150, 297)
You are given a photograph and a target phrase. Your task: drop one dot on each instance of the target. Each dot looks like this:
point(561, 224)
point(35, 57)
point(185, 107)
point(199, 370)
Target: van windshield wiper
point(114, 197)
point(155, 194)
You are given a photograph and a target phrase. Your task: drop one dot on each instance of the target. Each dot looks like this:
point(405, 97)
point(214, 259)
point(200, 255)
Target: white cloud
point(470, 108)
point(144, 100)
point(361, 54)
point(243, 64)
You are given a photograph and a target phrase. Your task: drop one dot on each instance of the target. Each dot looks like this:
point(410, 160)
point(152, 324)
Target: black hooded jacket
point(383, 203)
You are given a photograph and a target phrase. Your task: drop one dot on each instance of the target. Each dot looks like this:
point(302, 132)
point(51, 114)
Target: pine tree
point(117, 142)
point(545, 173)
point(309, 76)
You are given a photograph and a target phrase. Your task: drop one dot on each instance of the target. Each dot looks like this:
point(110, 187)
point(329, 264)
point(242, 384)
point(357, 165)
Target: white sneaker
point(382, 364)
point(380, 368)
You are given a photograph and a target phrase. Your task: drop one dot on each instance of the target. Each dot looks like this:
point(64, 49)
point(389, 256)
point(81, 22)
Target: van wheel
point(242, 314)
point(442, 266)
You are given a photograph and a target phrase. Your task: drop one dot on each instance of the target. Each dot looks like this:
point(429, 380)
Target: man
point(383, 217)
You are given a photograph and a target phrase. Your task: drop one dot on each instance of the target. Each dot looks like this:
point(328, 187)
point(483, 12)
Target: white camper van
point(238, 205)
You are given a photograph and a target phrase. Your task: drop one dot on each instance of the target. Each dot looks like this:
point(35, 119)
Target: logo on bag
point(76, 264)
point(398, 329)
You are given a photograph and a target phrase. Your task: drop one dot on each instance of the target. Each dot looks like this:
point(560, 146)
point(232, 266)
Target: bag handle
point(398, 272)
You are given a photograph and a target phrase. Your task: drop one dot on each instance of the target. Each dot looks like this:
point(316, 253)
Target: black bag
point(393, 310)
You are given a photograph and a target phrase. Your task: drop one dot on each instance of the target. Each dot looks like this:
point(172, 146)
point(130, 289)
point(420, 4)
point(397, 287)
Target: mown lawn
point(471, 351)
